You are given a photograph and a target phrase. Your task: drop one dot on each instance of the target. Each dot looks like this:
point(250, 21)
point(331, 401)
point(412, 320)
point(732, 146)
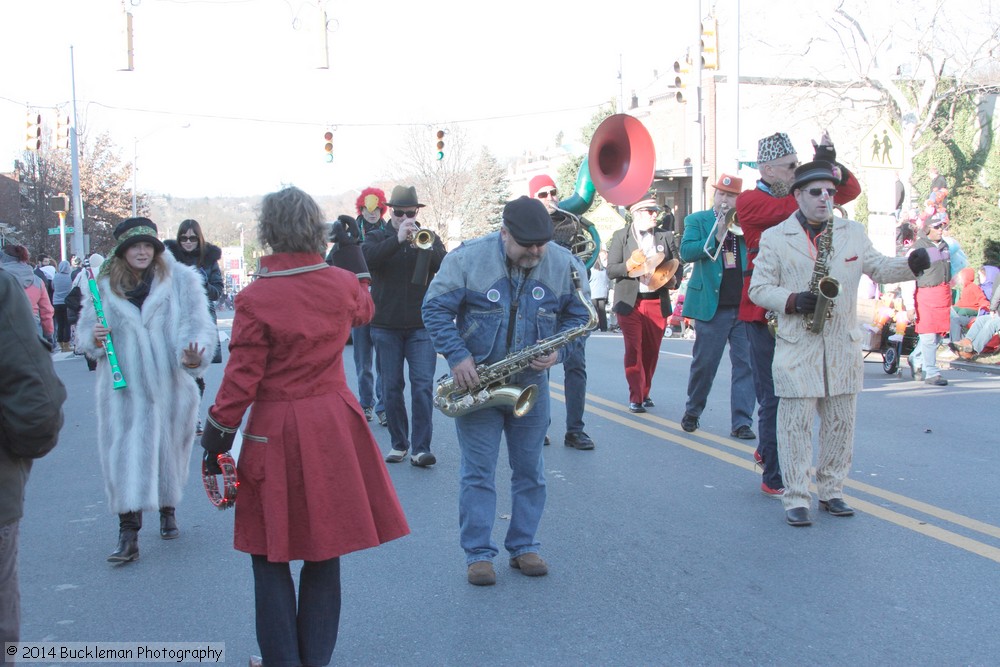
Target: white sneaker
point(423, 460)
point(395, 456)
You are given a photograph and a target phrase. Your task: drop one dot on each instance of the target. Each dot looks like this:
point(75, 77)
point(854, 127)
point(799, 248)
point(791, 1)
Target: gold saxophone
point(824, 286)
point(493, 389)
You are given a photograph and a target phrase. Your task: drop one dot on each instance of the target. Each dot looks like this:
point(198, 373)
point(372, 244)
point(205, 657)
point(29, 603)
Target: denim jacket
point(467, 308)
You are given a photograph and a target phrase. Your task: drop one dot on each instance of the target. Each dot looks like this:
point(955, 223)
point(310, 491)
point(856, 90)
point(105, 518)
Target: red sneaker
point(771, 493)
point(758, 459)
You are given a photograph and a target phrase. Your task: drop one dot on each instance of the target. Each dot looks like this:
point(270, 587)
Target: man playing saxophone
point(818, 371)
point(491, 297)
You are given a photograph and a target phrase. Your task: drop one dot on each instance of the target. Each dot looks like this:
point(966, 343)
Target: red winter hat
point(371, 198)
point(539, 182)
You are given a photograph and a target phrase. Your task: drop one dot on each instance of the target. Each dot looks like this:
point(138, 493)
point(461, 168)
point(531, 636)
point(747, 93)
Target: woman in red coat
point(312, 482)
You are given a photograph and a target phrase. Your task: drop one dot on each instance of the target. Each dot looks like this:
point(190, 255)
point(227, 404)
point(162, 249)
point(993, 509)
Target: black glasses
point(399, 213)
point(791, 165)
point(189, 238)
point(817, 192)
point(547, 194)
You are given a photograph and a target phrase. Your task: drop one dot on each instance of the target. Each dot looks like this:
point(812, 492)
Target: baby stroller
point(890, 344)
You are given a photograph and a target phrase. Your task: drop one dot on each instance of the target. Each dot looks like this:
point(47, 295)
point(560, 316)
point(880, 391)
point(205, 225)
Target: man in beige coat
point(818, 372)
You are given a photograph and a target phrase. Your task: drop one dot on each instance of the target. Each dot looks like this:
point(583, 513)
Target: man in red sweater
point(758, 210)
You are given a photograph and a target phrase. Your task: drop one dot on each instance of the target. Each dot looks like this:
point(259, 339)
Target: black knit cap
point(528, 221)
point(135, 230)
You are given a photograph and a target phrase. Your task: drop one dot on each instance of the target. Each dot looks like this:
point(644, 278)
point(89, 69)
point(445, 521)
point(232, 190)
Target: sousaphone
point(622, 158)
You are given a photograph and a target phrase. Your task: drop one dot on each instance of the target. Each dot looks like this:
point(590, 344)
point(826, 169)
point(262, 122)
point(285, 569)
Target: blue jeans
point(413, 346)
point(709, 344)
point(575, 383)
point(761, 358)
point(924, 354)
point(479, 440)
point(302, 632)
point(369, 384)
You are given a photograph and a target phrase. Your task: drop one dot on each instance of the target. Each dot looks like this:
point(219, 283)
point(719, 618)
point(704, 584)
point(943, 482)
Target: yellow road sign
point(882, 148)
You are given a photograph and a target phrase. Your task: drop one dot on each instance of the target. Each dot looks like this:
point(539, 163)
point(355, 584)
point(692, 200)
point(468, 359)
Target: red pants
point(643, 330)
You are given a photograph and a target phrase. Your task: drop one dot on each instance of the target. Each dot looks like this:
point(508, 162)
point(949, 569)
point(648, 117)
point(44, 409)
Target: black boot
point(168, 525)
point(128, 538)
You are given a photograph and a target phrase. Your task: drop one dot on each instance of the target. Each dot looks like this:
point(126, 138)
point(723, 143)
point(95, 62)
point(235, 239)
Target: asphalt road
point(661, 548)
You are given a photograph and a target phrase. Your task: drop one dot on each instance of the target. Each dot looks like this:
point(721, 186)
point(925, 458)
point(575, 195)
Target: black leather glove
point(805, 302)
point(345, 232)
point(217, 439)
point(919, 261)
point(212, 464)
point(825, 152)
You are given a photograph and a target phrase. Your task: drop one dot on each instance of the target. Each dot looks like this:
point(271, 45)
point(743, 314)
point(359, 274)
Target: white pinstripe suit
point(817, 372)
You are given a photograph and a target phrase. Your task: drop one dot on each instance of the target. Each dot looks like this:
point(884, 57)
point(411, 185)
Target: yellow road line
point(655, 428)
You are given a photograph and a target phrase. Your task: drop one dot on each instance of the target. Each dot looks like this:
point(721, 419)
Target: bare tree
point(441, 184)
point(104, 186)
point(952, 52)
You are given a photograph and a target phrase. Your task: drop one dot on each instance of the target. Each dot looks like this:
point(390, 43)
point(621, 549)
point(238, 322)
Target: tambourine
point(230, 483)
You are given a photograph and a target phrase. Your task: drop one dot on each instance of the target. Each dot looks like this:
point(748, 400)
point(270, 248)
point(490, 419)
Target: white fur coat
point(146, 430)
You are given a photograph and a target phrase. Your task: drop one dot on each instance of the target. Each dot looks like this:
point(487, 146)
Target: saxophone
point(493, 389)
point(825, 287)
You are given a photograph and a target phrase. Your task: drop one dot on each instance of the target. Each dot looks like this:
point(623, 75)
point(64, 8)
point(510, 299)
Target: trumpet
point(423, 239)
point(725, 216)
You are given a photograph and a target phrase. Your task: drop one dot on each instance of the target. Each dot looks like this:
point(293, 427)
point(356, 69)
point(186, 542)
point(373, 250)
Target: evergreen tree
point(485, 195)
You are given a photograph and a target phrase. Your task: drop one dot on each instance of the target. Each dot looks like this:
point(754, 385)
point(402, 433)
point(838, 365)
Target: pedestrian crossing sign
point(882, 148)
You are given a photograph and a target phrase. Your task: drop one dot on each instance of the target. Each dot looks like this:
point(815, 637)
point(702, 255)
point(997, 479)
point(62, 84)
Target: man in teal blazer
point(718, 255)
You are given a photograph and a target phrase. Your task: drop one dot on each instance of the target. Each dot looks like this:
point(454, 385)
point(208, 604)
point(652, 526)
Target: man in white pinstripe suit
point(818, 372)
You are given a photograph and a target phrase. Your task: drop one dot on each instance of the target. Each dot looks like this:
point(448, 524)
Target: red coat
point(758, 211)
point(312, 481)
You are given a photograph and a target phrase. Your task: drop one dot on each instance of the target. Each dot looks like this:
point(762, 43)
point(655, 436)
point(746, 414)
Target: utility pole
point(74, 152)
point(697, 186)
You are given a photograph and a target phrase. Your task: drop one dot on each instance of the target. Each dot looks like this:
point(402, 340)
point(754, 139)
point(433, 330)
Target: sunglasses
point(817, 192)
point(189, 238)
point(790, 165)
point(399, 213)
point(548, 193)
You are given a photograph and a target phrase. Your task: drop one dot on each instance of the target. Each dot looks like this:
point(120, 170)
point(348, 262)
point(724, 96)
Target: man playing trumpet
point(818, 372)
point(398, 329)
point(642, 297)
point(713, 294)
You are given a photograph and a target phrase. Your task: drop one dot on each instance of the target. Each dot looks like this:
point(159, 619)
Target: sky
point(226, 98)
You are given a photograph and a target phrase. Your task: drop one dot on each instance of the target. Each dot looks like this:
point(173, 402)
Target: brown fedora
point(404, 196)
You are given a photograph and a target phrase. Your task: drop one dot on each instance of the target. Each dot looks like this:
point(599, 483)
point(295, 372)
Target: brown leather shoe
point(530, 565)
point(481, 573)
point(965, 349)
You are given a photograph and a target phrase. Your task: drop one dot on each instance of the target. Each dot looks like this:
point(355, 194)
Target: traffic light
point(440, 144)
point(60, 134)
point(710, 44)
point(682, 69)
point(33, 136)
point(328, 145)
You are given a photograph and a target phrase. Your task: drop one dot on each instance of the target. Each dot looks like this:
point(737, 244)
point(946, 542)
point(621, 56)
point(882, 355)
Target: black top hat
point(404, 196)
point(819, 170)
point(135, 230)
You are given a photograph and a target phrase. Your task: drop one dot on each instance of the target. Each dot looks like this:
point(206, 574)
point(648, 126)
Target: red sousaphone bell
point(622, 158)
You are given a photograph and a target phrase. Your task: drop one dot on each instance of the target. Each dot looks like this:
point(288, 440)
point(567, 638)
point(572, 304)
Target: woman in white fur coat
point(163, 338)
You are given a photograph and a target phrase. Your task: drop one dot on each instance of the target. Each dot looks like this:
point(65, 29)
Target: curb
point(992, 369)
